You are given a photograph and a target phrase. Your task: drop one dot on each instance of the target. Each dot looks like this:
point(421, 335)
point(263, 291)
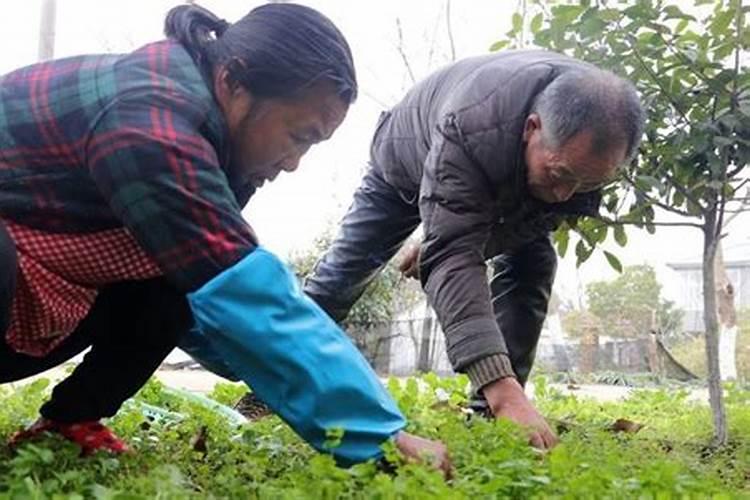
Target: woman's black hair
point(277, 50)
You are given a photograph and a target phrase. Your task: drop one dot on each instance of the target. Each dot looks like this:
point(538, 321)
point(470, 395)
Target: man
point(489, 155)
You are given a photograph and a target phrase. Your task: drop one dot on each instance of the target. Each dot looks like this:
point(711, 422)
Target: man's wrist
point(489, 369)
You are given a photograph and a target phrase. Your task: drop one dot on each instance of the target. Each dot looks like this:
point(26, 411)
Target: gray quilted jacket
point(454, 142)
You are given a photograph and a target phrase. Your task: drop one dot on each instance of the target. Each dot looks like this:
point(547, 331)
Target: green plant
point(264, 459)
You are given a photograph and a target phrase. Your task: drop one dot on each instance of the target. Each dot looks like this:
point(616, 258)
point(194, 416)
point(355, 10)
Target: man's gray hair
point(591, 100)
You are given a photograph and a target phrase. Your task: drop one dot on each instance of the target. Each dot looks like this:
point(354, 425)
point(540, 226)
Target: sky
point(288, 214)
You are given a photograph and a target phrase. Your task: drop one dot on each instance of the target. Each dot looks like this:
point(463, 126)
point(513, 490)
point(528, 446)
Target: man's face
point(268, 136)
point(555, 175)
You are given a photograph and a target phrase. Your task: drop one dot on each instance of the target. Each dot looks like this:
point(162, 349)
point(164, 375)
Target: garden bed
point(188, 450)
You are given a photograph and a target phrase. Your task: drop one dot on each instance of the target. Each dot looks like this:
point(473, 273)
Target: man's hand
point(409, 265)
point(507, 399)
point(423, 450)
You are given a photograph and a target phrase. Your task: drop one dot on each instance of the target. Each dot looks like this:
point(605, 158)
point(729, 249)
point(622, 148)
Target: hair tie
point(220, 26)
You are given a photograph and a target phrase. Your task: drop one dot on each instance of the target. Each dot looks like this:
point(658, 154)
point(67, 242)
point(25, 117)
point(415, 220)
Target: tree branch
point(736, 171)
point(450, 29)
point(732, 108)
point(400, 48)
point(433, 41)
point(380, 103)
point(651, 73)
point(685, 60)
point(681, 189)
point(615, 222)
point(655, 202)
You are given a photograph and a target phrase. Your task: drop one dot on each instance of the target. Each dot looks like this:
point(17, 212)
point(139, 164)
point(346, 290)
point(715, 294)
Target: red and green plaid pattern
point(96, 143)
point(112, 168)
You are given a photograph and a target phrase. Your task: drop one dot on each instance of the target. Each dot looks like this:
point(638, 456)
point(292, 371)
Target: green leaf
point(674, 12)
point(566, 14)
point(517, 22)
point(599, 234)
point(723, 51)
point(609, 14)
point(678, 199)
point(536, 23)
point(640, 12)
point(647, 182)
point(681, 26)
point(720, 141)
point(613, 261)
point(562, 238)
point(620, 237)
point(583, 252)
point(721, 22)
point(694, 208)
point(499, 45)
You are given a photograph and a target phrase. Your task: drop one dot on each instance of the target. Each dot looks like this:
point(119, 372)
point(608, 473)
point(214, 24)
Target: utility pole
point(47, 30)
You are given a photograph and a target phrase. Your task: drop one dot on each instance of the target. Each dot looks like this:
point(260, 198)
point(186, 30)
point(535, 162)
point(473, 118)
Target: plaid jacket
point(130, 146)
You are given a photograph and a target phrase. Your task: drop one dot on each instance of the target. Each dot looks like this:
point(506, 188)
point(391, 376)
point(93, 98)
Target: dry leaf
point(198, 443)
point(625, 425)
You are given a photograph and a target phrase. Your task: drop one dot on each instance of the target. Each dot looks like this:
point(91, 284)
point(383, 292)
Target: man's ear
point(533, 124)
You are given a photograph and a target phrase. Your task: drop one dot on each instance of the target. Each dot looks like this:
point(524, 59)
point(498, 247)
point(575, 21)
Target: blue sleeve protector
point(296, 359)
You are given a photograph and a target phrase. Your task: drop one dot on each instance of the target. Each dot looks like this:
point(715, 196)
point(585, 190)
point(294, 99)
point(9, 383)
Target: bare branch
point(400, 48)
point(651, 73)
point(523, 24)
point(685, 60)
point(743, 208)
point(433, 41)
point(736, 171)
point(615, 222)
point(377, 101)
point(450, 29)
point(681, 189)
point(732, 108)
point(737, 48)
point(744, 181)
point(655, 202)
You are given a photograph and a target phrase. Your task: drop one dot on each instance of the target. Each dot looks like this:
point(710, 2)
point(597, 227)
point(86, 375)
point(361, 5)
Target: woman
point(123, 179)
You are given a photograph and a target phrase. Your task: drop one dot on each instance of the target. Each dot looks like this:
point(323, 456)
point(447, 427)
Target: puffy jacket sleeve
point(456, 205)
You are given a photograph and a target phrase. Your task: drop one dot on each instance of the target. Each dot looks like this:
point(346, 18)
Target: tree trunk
point(711, 322)
point(47, 30)
point(434, 346)
point(727, 319)
point(426, 341)
point(554, 326)
point(590, 352)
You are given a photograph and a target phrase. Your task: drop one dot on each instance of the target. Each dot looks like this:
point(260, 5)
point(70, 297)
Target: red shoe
point(90, 436)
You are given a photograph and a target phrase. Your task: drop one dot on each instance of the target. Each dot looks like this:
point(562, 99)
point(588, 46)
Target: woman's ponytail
point(277, 50)
point(195, 28)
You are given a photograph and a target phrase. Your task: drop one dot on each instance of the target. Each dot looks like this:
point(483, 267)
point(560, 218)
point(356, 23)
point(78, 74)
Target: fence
point(405, 347)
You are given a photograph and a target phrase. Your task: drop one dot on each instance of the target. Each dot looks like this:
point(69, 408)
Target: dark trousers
point(131, 328)
point(378, 222)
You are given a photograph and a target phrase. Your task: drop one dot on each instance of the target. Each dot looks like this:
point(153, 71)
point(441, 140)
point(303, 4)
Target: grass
point(189, 451)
